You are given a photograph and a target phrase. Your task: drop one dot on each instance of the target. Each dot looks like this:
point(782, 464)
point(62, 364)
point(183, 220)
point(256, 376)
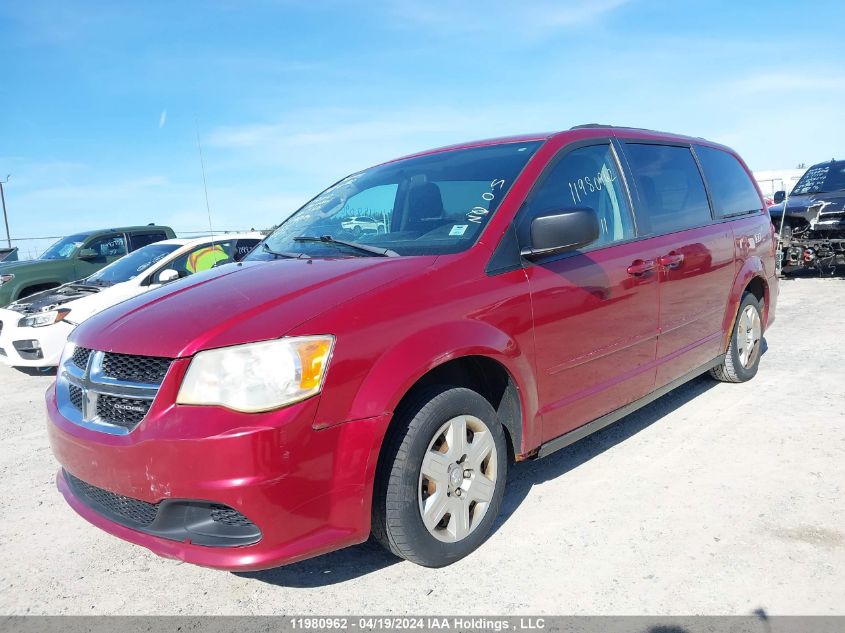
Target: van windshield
point(428, 205)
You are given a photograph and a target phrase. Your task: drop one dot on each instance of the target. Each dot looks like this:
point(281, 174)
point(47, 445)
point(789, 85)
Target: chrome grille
point(108, 392)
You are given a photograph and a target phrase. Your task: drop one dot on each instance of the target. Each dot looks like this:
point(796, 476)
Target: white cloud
point(162, 119)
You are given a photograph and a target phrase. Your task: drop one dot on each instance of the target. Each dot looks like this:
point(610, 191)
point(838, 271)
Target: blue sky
point(99, 101)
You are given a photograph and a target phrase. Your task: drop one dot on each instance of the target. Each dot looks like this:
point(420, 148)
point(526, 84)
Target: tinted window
point(243, 247)
point(137, 240)
point(821, 178)
point(585, 177)
point(671, 192)
point(731, 189)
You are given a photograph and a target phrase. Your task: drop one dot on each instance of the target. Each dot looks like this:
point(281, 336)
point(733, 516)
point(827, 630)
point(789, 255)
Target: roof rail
point(588, 126)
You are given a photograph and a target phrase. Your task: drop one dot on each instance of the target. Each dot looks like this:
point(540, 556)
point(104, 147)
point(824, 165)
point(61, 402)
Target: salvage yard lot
point(715, 499)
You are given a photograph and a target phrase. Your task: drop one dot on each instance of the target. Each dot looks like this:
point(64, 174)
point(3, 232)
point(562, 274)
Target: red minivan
point(524, 292)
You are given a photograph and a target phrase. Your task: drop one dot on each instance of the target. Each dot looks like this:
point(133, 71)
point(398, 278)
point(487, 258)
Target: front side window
point(584, 177)
point(671, 192)
point(731, 189)
point(428, 205)
point(132, 265)
point(108, 246)
point(65, 247)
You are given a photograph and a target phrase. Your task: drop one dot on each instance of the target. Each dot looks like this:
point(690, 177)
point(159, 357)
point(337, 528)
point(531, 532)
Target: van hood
point(238, 303)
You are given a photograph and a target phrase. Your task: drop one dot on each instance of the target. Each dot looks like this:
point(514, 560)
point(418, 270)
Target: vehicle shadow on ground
point(525, 475)
point(360, 560)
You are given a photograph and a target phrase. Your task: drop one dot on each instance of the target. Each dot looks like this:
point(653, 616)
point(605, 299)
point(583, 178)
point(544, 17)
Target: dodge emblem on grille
point(128, 407)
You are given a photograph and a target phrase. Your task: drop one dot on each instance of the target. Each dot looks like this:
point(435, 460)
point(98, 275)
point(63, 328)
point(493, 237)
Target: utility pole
point(5, 217)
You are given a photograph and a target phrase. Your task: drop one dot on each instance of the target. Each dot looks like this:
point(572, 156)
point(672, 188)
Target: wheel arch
point(32, 287)
point(751, 278)
point(467, 353)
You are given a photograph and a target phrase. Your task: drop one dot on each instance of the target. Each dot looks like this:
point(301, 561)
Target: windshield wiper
point(361, 248)
point(102, 283)
point(284, 254)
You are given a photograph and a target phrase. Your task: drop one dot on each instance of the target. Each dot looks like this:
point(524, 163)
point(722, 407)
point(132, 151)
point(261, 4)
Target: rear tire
point(742, 359)
point(441, 477)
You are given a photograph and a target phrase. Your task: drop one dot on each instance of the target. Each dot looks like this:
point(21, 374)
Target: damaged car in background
point(34, 330)
point(812, 230)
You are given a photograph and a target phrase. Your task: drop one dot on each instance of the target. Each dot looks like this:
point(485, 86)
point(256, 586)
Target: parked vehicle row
point(811, 222)
point(524, 293)
point(74, 257)
point(34, 330)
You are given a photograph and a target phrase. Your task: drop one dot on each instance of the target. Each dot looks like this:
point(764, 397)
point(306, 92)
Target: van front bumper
point(304, 492)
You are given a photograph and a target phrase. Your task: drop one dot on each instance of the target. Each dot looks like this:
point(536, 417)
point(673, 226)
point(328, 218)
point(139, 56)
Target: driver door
point(595, 315)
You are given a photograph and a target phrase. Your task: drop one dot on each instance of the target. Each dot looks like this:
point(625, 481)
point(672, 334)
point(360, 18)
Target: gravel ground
point(715, 499)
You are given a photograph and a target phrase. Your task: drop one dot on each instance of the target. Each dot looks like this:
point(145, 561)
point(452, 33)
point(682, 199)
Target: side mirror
point(562, 230)
point(780, 196)
point(167, 275)
point(88, 254)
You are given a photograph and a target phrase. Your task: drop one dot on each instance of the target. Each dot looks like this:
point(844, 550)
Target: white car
point(362, 224)
point(34, 330)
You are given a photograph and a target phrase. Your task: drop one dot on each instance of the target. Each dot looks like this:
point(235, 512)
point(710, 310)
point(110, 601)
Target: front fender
point(399, 367)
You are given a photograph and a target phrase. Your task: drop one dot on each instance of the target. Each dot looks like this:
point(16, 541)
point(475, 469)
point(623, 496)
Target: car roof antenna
point(204, 181)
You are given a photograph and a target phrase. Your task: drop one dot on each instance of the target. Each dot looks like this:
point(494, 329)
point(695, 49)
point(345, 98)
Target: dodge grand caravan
point(525, 293)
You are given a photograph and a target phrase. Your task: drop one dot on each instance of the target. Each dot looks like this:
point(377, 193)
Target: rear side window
point(672, 195)
point(730, 187)
point(137, 240)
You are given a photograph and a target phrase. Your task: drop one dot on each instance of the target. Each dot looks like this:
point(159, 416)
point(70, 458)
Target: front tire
point(441, 477)
point(742, 359)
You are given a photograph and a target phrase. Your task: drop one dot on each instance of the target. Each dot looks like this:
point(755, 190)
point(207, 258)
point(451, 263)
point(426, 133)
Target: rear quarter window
point(731, 190)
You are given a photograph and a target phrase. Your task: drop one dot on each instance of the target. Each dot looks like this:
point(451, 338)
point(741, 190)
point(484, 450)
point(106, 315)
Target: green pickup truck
point(74, 257)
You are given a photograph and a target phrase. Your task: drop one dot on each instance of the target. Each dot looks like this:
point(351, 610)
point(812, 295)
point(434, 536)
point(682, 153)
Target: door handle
point(640, 266)
point(672, 260)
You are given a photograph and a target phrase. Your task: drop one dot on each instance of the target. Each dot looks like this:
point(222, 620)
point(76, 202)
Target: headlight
point(44, 318)
point(4, 279)
point(258, 376)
